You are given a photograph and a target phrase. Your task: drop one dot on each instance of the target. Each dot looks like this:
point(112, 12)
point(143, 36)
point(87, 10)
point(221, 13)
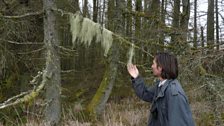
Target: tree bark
point(217, 24)
point(53, 108)
point(195, 24)
point(162, 22)
point(176, 22)
point(102, 95)
point(137, 30)
point(184, 21)
point(85, 8)
point(202, 39)
point(210, 24)
point(95, 10)
point(129, 19)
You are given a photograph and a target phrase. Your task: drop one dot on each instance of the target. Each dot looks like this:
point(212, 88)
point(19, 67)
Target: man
point(170, 106)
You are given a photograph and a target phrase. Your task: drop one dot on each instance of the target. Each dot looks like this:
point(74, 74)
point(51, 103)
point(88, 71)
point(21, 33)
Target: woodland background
point(67, 82)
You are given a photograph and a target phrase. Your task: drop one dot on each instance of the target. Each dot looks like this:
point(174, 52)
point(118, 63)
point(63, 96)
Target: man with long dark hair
point(170, 106)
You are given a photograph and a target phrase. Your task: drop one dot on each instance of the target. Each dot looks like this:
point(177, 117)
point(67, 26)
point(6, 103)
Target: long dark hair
point(168, 63)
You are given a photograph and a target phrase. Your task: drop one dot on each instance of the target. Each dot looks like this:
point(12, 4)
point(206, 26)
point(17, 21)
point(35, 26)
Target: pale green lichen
point(107, 40)
point(84, 30)
point(76, 25)
point(130, 54)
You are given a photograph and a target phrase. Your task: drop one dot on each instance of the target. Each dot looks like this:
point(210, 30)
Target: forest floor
point(128, 112)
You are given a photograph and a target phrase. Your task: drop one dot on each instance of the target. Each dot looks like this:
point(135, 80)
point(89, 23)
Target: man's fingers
point(129, 65)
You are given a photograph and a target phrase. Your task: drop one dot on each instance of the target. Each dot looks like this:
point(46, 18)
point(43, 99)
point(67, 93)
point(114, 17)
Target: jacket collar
point(163, 88)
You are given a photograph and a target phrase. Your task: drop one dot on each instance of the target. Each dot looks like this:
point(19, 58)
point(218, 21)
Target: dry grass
point(128, 112)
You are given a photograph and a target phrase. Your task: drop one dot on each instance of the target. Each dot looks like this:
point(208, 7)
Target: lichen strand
point(107, 41)
point(75, 28)
point(130, 54)
point(84, 30)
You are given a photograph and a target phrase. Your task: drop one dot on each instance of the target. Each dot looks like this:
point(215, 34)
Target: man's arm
point(142, 91)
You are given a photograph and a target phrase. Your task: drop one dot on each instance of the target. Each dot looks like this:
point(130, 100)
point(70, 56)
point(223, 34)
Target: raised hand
point(132, 70)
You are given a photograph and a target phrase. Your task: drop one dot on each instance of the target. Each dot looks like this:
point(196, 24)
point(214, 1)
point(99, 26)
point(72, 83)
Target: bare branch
point(22, 43)
point(22, 16)
point(34, 51)
point(66, 49)
point(27, 96)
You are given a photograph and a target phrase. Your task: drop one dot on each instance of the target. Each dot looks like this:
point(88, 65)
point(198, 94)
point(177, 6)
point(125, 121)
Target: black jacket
point(170, 105)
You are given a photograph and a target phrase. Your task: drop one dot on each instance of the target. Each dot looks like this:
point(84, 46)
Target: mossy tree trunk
point(99, 100)
point(97, 105)
point(53, 108)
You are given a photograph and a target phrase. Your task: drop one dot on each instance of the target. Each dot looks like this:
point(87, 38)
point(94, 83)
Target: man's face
point(156, 69)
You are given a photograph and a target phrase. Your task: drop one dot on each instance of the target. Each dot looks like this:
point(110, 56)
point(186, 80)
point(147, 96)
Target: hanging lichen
point(130, 54)
point(75, 22)
point(84, 30)
point(107, 40)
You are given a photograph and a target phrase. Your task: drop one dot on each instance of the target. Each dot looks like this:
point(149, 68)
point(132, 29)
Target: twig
point(27, 96)
point(34, 51)
point(66, 49)
point(69, 71)
point(22, 16)
point(24, 43)
point(130, 43)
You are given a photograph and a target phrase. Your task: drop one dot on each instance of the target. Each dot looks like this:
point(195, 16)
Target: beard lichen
point(130, 54)
point(84, 30)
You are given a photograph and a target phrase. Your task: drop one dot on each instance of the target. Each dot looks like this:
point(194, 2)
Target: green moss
point(222, 116)
point(202, 71)
point(206, 119)
point(11, 81)
point(91, 108)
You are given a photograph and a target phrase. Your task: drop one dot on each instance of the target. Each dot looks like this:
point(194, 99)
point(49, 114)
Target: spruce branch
point(22, 16)
point(26, 96)
point(22, 43)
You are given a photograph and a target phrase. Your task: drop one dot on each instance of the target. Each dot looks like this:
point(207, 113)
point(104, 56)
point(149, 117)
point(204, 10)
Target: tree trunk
point(129, 19)
point(76, 5)
point(195, 24)
point(138, 25)
point(162, 23)
point(184, 21)
point(103, 12)
point(217, 24)
point(99, 100)
point(176, 22)
point(85, 8)
point(138, 8)
point(95, 10)
point(53, 108)
point(210, 24)
point(202, 39)
point(154, 23)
